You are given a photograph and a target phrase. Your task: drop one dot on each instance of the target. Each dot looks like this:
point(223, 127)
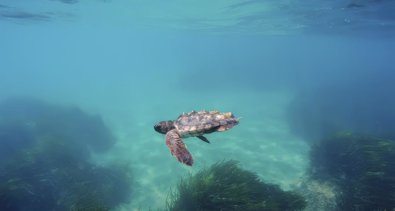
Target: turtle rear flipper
point(203, 139)
point(178, 148)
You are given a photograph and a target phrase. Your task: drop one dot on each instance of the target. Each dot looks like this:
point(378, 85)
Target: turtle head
point(164, 126)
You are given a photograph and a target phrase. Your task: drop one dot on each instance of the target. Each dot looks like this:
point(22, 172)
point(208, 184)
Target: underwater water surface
point(83, 82)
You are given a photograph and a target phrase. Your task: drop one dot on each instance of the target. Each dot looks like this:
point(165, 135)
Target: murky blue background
point(292, 71)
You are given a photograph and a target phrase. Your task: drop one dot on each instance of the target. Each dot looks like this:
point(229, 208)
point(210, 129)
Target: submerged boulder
point(45, 161)
point(33, 118)
point(363, 104)
point(362, 166)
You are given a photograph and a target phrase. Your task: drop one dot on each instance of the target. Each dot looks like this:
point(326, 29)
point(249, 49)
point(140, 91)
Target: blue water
point(294, 72)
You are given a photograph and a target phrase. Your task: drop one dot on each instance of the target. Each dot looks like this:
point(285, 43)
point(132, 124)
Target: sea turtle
point(193, 124)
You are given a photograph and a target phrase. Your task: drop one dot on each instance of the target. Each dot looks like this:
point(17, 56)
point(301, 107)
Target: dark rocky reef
point(45, 160)
point(362, 167)
point(362, 104)
point(32, 118)
point(225, 186)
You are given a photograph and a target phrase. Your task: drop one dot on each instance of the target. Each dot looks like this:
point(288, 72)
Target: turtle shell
point(197, 123)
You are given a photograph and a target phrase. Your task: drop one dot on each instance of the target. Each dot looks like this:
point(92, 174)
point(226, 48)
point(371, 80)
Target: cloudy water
point(83, 82)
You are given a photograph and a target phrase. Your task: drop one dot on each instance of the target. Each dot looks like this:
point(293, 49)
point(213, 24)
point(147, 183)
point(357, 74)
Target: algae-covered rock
point(38, 118)
point(364, 103)
point(52, 176)
point(225, 186)
point(363, 167)
point(45, 161)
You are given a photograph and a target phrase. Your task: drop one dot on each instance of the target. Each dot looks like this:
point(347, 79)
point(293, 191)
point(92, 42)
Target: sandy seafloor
point(262, 142)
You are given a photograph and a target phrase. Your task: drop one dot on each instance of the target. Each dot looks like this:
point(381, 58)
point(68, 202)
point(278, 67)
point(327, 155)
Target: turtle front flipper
point(178, 148)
